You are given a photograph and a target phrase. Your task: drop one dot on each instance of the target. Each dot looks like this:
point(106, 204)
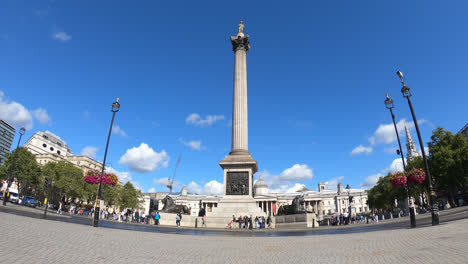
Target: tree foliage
point(22, 165)
point(382, 195)
point(448, 159)
point(129, 196)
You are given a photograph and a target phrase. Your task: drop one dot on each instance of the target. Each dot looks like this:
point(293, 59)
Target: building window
point(44, 145)
point(58, 152)
point(44, 136)
point(58, 143)
point(51, 149)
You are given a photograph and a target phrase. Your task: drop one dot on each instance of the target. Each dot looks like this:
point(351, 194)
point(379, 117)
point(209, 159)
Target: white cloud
point(89, 151)
point(296, 188)
point(144, 159)
point(124, 176)
point(211, 188)
point(370, 181)
point(361, 149)
point(62, 36)
point(288, 179)
point(193, 187)
point(41, 115)
point(396, 166)
point(385, 133)
point(195, 119)
point(15, 113)
point(193, 144)
point(119, 131)
point(152, 190)
point(297, 172)
point(161, 181)
point(333, 183)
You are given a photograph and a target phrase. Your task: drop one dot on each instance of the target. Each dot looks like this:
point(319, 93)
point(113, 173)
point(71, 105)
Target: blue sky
point(317, 77)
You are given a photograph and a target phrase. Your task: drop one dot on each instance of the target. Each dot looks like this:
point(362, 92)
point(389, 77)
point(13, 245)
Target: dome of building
point(260, 183)
point(260, 187)
point(183, 192)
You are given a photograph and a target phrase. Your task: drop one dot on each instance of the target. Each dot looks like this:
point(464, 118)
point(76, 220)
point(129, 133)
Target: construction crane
point(170, 183)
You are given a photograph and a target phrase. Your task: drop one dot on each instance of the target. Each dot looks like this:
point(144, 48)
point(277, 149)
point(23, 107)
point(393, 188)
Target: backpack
point(178, 218)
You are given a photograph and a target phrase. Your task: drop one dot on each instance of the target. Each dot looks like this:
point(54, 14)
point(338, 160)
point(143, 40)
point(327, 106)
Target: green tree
point(383, 194)
point(22, 165)
point(130, 197)
point(448, 159)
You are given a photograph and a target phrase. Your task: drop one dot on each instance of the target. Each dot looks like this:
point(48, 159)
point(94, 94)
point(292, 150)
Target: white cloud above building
point(143, 159)
point(211, 188)
point(89, 151)
point(17, 115)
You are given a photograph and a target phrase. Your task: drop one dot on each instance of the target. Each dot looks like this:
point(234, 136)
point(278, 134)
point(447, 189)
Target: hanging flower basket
point(398, 179)
point(93, 177)
point(416, 176)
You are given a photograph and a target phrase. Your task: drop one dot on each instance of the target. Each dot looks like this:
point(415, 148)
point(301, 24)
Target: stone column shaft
point(240, 142)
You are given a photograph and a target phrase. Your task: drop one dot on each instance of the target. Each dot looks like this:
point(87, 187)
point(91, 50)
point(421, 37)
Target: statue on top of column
point(240, 32)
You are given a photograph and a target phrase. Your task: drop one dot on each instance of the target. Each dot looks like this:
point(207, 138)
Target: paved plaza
point(32, 240)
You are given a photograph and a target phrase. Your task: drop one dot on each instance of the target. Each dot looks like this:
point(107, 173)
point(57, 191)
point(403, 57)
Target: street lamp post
point(10, 179)
point(389, 105)
point(348, 189)
point(405, 90)
point(115, 109)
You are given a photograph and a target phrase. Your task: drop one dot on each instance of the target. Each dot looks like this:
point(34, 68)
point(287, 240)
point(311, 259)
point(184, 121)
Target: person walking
point(178, 218)
point(269, 222)
point(59, 211)
point(156, 218)
point(203, 221)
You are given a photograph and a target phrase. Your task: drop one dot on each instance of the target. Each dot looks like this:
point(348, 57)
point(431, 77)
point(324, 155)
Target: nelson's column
point(239, 167)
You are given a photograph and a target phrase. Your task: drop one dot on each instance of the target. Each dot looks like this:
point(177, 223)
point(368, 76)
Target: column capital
point(240, 42)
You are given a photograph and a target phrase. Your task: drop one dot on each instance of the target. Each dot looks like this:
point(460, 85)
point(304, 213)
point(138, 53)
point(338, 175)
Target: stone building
point(48, 147)
point(7, 133)
point(322, 202)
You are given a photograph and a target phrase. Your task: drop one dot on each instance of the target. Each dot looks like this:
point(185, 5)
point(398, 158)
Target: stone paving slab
point(30, 240)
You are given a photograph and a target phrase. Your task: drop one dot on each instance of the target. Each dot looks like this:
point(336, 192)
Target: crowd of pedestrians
point(246, 222)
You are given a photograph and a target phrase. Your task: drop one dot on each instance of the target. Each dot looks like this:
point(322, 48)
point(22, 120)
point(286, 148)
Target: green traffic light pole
point(405, 90)
point(389, 105)
point(11, 178)
point(115, 109)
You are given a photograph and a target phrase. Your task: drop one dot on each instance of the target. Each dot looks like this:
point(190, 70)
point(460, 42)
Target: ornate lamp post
point(10, 179)
point(115, 109)
point(389, 105)
point(405, 90)
point(348, 189)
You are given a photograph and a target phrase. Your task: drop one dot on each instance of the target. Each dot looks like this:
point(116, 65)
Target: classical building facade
point(7, 133)
point(48, 147)
point(322, 202)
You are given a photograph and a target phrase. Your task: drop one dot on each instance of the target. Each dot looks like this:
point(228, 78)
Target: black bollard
point(367, 219)
point(196, 222)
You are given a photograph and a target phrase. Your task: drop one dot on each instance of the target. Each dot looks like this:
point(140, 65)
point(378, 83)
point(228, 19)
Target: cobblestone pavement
point(31, 240)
